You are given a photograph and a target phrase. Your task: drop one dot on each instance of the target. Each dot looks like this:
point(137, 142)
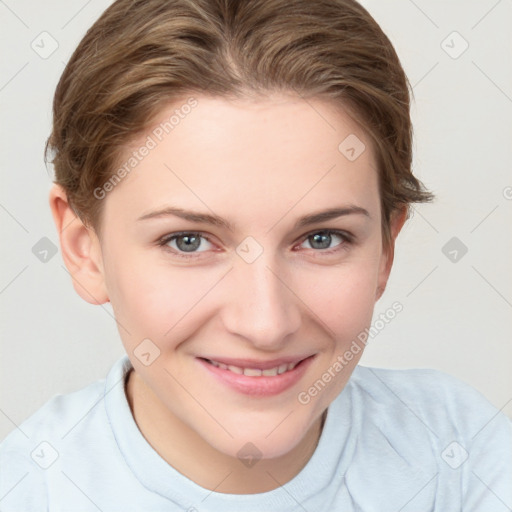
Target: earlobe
point(398, 219)
point(80, 249)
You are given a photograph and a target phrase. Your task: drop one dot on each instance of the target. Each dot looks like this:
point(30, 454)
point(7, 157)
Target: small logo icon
point(249, 250)
point(454, 45)
point(454, 249)
point(352, 147)
point(44, 455)
point(454, 455)
point(249, 454)
point(44, 45)
point(44, 250)
point(146, 352)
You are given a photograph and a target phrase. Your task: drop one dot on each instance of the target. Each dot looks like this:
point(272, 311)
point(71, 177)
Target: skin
point(261, 165)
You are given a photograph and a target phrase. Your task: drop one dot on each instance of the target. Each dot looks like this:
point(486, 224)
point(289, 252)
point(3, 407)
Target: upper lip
point(257, 364)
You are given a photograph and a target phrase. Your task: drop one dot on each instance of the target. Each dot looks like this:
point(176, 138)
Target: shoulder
point(58, 411)
point(443, 402)
point(430, 430)
point(29, 451)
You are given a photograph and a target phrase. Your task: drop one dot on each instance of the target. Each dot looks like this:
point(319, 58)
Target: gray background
point(457, 307)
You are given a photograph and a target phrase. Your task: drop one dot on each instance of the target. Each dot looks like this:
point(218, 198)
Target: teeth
point(255, 372)
point(252, 372)
point(282, 368)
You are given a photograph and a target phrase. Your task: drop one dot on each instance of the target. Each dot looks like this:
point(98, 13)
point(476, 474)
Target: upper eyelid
point(172, 236)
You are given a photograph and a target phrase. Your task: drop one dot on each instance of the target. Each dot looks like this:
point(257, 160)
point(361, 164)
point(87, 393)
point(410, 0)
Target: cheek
point(156, 301)
point(344, 301)
point(342, 296)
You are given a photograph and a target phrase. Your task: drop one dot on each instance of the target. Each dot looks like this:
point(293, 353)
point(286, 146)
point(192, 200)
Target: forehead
point(247, 155)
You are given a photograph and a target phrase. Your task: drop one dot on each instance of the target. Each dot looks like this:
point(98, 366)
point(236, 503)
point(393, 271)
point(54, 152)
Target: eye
point(322, 240)
point(186, 243)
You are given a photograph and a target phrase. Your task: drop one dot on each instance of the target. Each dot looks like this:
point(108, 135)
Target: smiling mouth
point(257, 372)
point(257, 378)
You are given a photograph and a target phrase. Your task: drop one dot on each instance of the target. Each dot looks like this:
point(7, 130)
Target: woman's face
point(250, 271)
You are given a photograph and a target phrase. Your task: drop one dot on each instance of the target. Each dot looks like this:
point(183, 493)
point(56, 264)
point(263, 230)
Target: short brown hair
point(142, 54)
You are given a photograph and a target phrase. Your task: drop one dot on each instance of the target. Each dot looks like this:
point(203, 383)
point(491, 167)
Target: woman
point(232, 177)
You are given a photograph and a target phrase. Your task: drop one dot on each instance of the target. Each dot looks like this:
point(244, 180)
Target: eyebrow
point(215, 220)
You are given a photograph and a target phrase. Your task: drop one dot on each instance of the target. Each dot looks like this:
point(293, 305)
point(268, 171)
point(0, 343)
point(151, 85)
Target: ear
point(80, 248)
point(398, 218)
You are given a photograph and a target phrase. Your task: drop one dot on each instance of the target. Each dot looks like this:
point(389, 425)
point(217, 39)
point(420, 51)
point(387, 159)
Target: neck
point(193, 457)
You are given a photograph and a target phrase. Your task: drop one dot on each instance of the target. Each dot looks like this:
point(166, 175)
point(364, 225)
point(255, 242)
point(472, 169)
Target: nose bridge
point(261, 307)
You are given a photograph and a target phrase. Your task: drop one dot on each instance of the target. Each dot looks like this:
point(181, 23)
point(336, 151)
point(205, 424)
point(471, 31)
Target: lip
point(261, 386)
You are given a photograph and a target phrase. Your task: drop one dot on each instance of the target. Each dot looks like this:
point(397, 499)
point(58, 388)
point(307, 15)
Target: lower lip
point(259, 386)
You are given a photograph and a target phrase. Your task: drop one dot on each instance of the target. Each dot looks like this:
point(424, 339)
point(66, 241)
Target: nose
point(261, 305)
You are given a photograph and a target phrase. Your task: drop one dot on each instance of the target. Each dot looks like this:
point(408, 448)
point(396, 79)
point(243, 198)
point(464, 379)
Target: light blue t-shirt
point(393, 440)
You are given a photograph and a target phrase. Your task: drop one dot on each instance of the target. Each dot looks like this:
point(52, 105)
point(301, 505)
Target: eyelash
point(347, 239)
